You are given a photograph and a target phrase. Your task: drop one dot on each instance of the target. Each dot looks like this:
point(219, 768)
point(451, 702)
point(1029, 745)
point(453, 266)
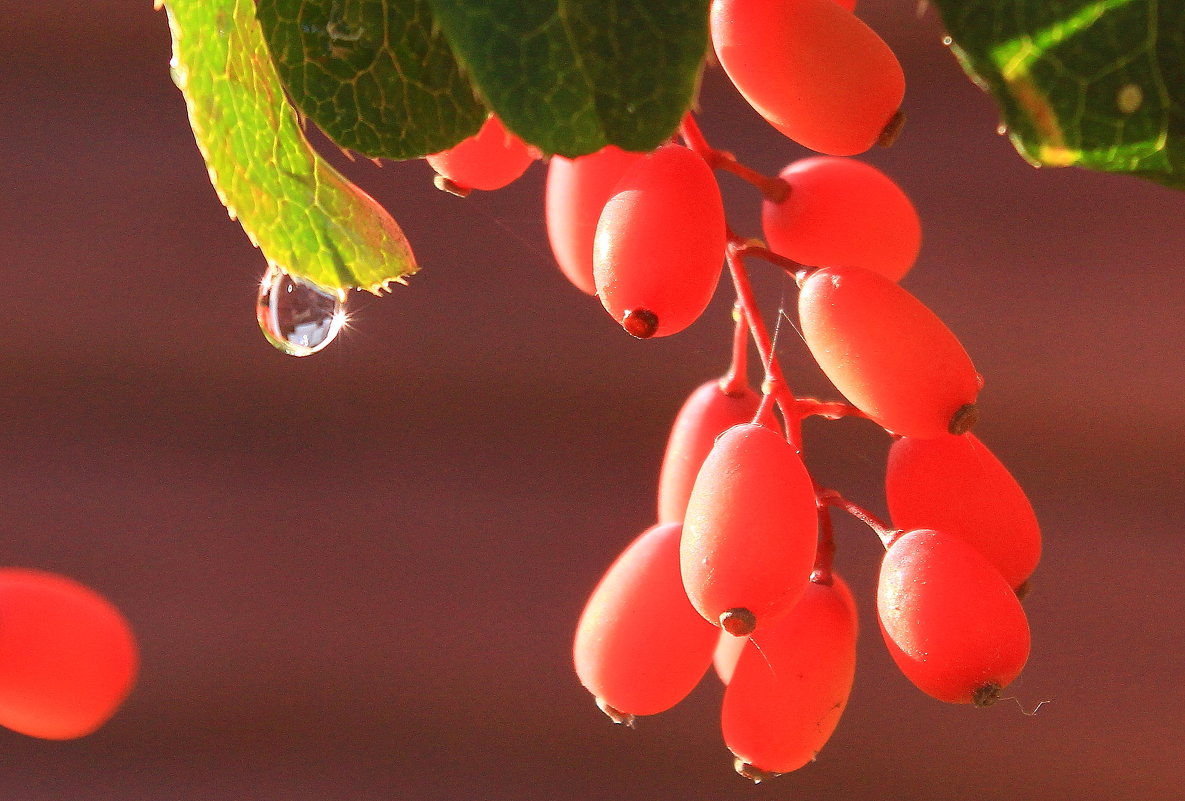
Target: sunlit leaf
point(1093, 84)
point(304, 215)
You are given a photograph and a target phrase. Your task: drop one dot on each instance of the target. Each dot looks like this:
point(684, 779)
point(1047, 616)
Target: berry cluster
point(67, 656)
point(738, 568)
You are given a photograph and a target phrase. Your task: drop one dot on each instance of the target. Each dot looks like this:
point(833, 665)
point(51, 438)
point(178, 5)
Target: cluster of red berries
point(738, 568)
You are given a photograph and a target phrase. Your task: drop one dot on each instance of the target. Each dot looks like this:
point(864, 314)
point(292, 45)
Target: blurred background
point(356, 575)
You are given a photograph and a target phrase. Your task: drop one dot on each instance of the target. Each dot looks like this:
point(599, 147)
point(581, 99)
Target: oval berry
point(576, 193)
point(792, 682)
point(843, 212)
point(659, 245)
point(705, 415)
point(67, 656)
point(490, 159)
point(951, 622)
point(751, 530)
point(887, 353)
point(640, 647)
point(811, 68)
point(957, 486)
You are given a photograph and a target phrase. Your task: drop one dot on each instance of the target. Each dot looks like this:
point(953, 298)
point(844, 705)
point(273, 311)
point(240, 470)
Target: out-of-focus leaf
point(1094, 84)
point(570, 76)
point(305, 216)
point(376, 75)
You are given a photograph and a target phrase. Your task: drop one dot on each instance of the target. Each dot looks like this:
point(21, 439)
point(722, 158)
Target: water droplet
point(1001, 129)
point(946, 40)
point(296, 316)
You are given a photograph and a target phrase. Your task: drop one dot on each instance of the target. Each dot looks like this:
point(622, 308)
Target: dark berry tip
point(448, 185)
point(640, 323)
point(776, 190)
point(738, 622)
point(986, 695)
point(964, 419)
point(752, 772)
point(892, 129)
point(617, 716)
point(800, 276)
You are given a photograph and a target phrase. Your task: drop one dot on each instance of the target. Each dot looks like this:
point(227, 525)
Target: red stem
point(830, 410)
point(773, 188)
point(792, 267)
point(826, 550)
point(694, 137)
point(775, 382)
point(736, 380)
point(827, 497)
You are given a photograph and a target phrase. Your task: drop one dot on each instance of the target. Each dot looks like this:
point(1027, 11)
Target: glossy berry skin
point(792, 682)
point(67, 656)
point(576, 193)
point(659, 245)
point(885, 351)
point(640, 647)
point(843, 212)
point(811, 68)
point(705, 415)
point(951, 622)
point(957, 486)
point(751, 529)
point(490, 159)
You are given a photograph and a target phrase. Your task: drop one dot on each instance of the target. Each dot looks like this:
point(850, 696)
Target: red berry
point(951, 622)
point(957, 486)
point(640, 647)
point(811, 68)
point(751, 530)
point(67, 656)
point(843, 212)
point(490, 159)
point(887, 353)
point(577, 190)
point(705, 415)
point(659, 246)
point(792, 682)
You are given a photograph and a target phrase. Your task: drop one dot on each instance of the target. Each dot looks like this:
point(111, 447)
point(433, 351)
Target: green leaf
point(306, 218)
point(376, 75)
point(570, 76)
point(1094, 84)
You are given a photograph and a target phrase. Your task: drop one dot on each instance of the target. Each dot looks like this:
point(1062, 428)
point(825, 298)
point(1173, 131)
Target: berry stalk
point(829, 497)
point(775, 381)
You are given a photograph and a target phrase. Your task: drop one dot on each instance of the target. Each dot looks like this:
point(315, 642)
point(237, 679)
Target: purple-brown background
point(355, 576)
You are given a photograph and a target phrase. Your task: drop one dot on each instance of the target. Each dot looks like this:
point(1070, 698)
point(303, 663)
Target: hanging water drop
point(296, 316)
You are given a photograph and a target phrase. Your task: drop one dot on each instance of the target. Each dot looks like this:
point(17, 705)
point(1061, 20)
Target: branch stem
point(773, 188)
point(774, 384)
point(830, 410)
point(828, 497)
point(825, 553)
point(736, 380)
